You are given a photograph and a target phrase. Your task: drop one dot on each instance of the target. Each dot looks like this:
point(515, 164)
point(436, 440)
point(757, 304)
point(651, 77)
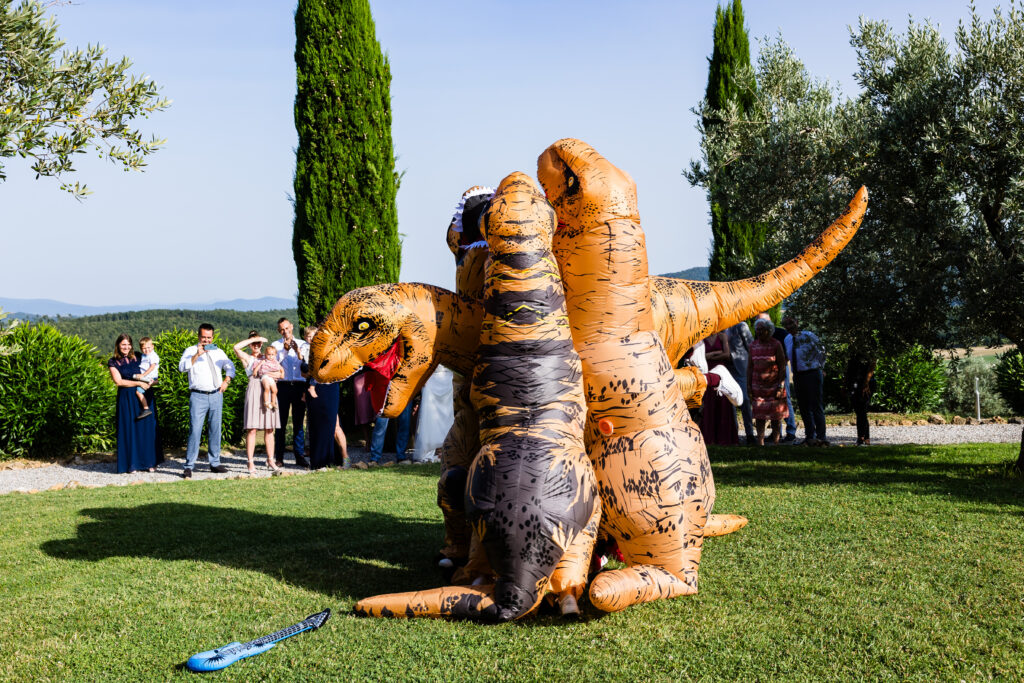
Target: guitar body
point(223, 657)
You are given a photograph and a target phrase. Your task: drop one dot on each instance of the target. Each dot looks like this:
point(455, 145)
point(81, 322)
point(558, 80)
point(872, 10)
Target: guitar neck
point(282, 634)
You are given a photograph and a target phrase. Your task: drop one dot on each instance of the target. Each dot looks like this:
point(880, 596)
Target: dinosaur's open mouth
point(381, 370)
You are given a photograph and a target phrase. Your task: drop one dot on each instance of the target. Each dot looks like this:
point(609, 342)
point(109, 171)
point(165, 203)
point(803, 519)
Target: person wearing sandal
point(257, 415)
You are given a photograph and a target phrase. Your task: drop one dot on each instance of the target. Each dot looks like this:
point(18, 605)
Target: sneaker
point(728, 386)
point(144, 414)
point(405, 461)
point(219, 469)
point(360, 466)
point(187, 474)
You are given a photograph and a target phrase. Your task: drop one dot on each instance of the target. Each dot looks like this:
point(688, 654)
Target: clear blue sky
point(479, 89)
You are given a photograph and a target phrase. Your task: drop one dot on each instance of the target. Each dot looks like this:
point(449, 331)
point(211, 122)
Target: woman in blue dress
point(322, 409)
point(138, 447)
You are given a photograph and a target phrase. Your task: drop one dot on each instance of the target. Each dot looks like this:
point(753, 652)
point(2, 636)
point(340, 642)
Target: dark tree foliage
point(937, 135)
point(346, 225)
point(102, 330)
point(734, 243)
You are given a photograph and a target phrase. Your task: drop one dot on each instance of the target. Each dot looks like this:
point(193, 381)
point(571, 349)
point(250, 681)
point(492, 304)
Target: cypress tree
point(345, 233)
point(734, 244)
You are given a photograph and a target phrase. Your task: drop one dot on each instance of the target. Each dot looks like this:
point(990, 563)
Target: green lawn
point(877, 563)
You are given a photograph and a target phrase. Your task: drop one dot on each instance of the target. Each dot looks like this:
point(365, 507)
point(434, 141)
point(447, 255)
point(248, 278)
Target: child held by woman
point(149, 367)
point(268, 370)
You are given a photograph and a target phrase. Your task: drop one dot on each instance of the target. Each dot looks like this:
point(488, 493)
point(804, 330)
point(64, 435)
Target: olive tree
point(54, 107)
point(936, 135)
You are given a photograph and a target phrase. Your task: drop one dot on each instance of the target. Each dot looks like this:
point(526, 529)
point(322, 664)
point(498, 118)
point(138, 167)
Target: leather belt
point(203, 391)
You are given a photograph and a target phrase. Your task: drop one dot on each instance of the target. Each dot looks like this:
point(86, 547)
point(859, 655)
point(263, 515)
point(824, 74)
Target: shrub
point(1009, 373)
point(959, 396)
point(55, 397)
point(172, 392)
point(912, 381)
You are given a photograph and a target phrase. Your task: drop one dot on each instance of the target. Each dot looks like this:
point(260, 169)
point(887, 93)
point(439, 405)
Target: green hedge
point(172, 390)
point(55, 398)
point(1010, 379)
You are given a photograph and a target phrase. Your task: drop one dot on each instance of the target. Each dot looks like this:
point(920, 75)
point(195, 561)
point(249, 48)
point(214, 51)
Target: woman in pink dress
point(766, 380)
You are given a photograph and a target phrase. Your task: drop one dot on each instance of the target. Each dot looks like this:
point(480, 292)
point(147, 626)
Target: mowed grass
point(858, 563)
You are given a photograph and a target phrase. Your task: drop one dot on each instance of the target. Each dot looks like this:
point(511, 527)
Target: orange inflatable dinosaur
point(652, 468)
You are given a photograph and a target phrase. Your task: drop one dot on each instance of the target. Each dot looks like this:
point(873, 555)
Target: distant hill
point(696, 273)
point(32, 308)
point(101, 330)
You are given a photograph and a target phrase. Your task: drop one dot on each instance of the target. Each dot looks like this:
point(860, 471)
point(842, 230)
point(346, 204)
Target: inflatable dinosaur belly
point(650, 461)
point(531, 489)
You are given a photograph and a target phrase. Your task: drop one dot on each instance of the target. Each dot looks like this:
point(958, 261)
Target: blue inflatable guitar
point(215, 660)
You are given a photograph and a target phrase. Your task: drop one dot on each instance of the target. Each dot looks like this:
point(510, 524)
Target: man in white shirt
point(205, 365)
point(291, 353)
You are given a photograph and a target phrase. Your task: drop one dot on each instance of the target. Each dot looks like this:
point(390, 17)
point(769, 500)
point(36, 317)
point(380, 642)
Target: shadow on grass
point(352, 557)
point(921, 468)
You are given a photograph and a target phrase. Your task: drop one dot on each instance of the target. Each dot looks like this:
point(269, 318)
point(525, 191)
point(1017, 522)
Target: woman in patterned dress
point(766, 374)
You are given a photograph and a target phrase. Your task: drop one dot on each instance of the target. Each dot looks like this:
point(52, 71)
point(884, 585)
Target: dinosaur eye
point(364, 325)
point(572, 185)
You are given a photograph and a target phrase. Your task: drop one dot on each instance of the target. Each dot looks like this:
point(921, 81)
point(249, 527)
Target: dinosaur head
point(583, 186)
point(385, 328)
point(518, 217)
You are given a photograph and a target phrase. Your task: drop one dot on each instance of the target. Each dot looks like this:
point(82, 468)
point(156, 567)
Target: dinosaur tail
point(720, 525)
point(723, 304)
point(453, 602)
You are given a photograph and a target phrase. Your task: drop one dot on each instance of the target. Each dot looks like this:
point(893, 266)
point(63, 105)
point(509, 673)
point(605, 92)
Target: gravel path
point(82, 472)
point(87, 472)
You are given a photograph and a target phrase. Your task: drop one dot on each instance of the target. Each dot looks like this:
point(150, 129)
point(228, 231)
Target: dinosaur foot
point(616, 590)
point(720, 525)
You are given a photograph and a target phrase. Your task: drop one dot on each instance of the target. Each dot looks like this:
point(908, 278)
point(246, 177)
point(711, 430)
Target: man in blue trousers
point(210, 372)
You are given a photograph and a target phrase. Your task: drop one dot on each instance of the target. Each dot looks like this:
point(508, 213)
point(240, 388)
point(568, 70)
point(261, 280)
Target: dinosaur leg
point(656, 502)
point(569, 580)
point(460, 445)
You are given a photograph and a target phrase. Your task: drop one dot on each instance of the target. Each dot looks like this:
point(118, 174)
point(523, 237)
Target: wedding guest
point(257, 415)
point(766, 384)
point(209, 374)
point(291, 353)
point(138, 446)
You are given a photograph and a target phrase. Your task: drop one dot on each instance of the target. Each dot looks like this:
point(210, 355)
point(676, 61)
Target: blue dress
point(138, 443)
point(323, 415)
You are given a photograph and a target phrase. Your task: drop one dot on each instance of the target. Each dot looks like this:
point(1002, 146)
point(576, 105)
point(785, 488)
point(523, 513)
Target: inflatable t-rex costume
point(531, 493)
point(428, 325)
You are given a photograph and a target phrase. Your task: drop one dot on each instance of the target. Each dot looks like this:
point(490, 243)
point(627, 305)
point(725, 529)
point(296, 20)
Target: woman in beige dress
point(257, 415)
